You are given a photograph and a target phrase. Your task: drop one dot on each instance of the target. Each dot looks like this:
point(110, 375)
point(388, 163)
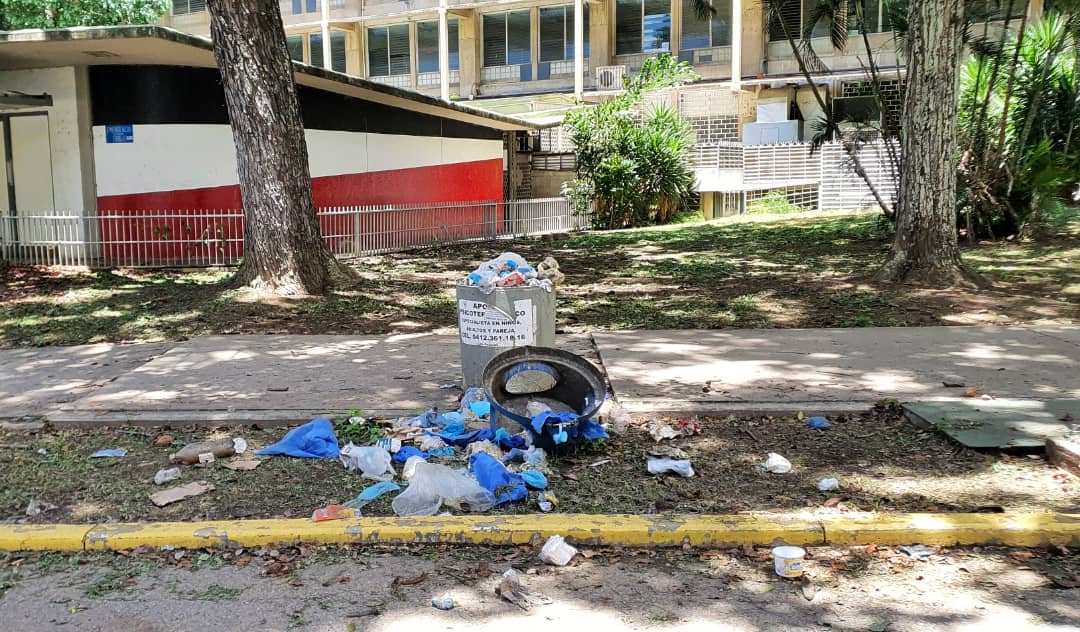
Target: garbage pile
point(430, 449)
point(511, 270)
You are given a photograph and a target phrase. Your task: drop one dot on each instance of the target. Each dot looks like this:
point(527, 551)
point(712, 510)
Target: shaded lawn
point(809, 270)
point(883, 464)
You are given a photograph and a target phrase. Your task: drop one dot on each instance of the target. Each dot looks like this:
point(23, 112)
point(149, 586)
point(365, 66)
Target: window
point(697, 33)
point(427, 45)
point(388, 51)
point(304, 6)
point(794, 14)
point(296, 47)
point(337, 50)
point(507, 38)
point(183, 7)
point(642, 26)
point(557, 32)
point(315, 50)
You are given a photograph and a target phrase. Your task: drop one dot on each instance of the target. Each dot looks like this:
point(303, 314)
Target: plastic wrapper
point(372, 461)
point(433, 485)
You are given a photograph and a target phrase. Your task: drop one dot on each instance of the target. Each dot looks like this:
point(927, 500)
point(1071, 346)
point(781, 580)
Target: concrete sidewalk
point(287, 379)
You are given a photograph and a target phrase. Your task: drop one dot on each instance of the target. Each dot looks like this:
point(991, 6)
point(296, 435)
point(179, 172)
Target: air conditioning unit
point(611, 77)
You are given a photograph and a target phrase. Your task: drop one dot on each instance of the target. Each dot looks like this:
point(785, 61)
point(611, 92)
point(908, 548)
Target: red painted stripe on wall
point(188, 230)
point(456, 182)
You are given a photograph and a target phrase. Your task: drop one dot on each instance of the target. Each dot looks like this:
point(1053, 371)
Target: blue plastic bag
point(407, 451)
point(534, 479)
point(494, 477)
point(507, 441)
point(484, 434)
point(445, 451)
point(547, 417)
point(819, 423)
point(313, 440)
point(371, 493)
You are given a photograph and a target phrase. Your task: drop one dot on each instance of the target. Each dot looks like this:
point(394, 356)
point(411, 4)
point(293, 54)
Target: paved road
point(610, 591)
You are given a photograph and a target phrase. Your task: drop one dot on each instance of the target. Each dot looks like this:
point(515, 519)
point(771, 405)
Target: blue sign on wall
point(119, 134)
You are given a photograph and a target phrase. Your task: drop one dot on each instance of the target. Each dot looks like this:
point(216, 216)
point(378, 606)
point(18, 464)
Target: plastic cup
point(789, 561)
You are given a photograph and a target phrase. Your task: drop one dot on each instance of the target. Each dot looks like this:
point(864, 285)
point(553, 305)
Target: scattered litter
point(668, 452)
point(241, 466)
point(660, 431)
point(788, 561)
point(334, 512)
point(175, 494)
point(547, 501)
point(406, 452)
point(531, 377)
point(432, 485)
point(776, 464)
point(660, 466)
point(193, 452)
point(828, 485)
point(313, 440)
point(373, 492)
point(239, 445)
point(511, 589)
point(511, 270)
point(166, 475)
point(206, 459)
point(372, 461)
point(534, 479)
point(443, 602)
point(42, 451)
point(818, 423)
point(446, 452)
point(485, 447)
point(918, 551)
point(430, 442)
point(390, 444)
point(410, 467)
point(532, 458)
point(109, 452)
point(163, 441)
point(600, 462)
point(426, 419)
point(38, 507)
point(395, 586)
point(493, 476)
point(556, 551)
point(448, 386)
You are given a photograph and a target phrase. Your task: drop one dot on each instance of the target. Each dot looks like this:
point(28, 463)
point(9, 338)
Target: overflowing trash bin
point(504, 303)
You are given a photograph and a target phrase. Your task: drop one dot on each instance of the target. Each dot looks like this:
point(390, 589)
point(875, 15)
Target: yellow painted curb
point(46, 537)
point(624, 530)
point(954, 529)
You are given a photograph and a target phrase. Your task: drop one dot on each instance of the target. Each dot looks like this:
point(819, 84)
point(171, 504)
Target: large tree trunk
point(284, 252)
point(925, 250)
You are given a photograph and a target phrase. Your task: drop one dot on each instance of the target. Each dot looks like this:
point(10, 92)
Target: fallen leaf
point(870, 548)
point(176, 494)
point(570, 475)
point(711, 554)
point(163, 441)
point(808, 588)
point(832, 502)
point(838, 565)
point(277, 569)
point(1023, 555)
point(241, 466)
point(971, 392)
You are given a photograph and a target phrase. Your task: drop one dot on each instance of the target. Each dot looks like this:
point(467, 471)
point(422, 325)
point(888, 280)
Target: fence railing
point(201, 238)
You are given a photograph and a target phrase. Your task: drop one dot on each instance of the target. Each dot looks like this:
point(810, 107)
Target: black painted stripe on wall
point(159, 95)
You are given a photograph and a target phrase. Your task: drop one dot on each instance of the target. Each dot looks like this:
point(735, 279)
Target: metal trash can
point(492, 323)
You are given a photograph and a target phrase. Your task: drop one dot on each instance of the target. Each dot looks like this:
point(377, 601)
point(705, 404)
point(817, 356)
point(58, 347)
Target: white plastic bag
point(776, 464)
point(556, 551)
point(433, 485)
point(373, 461)
point(680, 467)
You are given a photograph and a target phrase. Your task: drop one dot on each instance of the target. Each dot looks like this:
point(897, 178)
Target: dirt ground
point(881, 462)
point(307, 588)
point(809, 270)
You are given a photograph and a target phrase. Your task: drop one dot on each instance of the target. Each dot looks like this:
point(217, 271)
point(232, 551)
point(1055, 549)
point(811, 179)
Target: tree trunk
point(925, 250)
point(284, 253)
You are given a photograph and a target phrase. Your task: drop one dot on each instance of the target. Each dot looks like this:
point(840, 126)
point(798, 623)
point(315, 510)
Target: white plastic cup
point(789, 561)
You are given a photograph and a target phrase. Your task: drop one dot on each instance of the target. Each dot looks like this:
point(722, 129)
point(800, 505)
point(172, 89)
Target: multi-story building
point(537, 56)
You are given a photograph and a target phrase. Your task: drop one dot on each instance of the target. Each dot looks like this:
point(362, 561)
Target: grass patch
point(798, 270)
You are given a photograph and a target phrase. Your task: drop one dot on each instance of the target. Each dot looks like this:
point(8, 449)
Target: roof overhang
point(13, 100)
point(158, 45)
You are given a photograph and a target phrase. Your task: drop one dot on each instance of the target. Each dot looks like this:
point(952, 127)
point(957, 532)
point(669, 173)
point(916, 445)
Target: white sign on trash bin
point(482, 325)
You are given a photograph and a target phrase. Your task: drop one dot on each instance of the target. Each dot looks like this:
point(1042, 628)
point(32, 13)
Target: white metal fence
point(791, 170)
point(199, 238)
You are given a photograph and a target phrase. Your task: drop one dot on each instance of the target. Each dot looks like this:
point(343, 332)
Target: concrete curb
point(1018, 529)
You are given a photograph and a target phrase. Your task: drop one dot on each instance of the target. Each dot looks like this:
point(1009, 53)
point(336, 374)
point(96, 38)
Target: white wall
point(178, 157)
point(65, 138)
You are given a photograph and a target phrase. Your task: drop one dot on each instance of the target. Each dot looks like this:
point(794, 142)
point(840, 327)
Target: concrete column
point(736, 45)
point(579, 49)
point(676, 27)
point(1035, 10)
point(325, 26)
point(444, 53)
point(414, 62)
point(752, 36)
point(469, 52)
point(600, 34)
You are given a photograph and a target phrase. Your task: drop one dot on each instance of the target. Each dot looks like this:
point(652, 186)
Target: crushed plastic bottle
point(443, 602)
